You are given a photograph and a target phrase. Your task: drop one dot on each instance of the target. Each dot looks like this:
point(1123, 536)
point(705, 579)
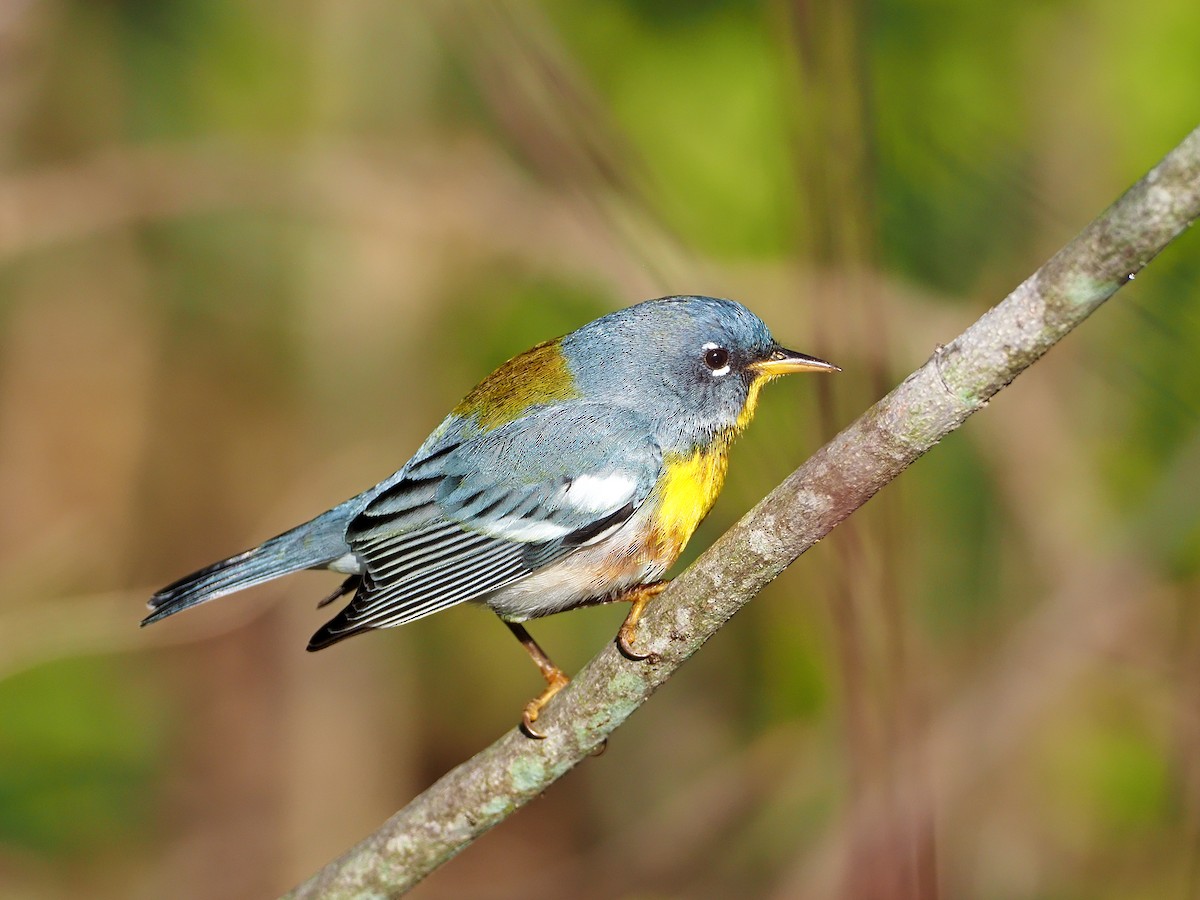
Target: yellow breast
point(685, 494)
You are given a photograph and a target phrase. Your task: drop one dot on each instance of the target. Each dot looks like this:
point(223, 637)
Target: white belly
point(590, 574)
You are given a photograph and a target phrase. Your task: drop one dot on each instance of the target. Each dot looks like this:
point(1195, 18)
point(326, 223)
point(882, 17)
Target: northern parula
point(572, 475)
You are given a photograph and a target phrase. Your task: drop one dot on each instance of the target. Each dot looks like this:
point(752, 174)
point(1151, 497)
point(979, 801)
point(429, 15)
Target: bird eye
point(716, 358)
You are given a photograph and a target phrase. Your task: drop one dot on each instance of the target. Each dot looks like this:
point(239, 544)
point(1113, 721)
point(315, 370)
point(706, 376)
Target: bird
point(571, 476)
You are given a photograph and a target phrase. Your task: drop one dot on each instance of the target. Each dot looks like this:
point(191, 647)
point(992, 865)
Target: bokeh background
point(250, 253)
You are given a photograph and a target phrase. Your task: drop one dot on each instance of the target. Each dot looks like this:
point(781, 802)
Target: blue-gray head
point(693, 366)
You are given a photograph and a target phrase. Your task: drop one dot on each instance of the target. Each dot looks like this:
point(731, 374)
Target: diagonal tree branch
point(933, 401)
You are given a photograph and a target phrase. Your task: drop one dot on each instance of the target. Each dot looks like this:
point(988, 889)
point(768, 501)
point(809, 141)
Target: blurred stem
point(832, 129)
point(958, 380)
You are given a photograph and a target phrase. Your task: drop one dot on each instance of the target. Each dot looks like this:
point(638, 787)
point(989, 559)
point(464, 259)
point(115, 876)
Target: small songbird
point(572, 475)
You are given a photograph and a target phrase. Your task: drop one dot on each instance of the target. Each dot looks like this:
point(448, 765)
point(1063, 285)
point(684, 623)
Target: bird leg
point(556, 679)
point(640, 596)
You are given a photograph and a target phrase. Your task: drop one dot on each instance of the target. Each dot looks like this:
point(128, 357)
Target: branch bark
point(957, 380)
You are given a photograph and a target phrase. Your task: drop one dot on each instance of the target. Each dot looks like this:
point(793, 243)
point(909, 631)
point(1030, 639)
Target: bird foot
point(625, 638)
point(555, 682)
point(628, 634)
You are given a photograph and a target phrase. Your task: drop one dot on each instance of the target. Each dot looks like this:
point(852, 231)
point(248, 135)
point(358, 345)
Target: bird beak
point(785, 362)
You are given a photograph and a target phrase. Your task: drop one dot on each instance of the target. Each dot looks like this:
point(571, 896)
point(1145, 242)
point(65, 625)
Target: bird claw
point(555, 682)
point(625, 638)
point(527, 721)
point(639, 596)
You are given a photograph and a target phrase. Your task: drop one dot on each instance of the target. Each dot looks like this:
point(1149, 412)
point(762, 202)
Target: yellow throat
point(692, 481)
point(688, 489)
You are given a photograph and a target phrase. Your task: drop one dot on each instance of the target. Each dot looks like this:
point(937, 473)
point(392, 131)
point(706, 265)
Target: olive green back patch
point(539, 375)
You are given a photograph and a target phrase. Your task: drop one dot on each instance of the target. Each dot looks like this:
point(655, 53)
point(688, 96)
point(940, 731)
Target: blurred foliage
point(251, 253)
point(74, 773)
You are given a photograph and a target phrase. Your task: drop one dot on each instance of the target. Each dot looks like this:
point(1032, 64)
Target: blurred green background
point(250, 253)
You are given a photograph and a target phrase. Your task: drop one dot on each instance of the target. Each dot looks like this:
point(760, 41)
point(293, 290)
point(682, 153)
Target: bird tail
point(312, 545)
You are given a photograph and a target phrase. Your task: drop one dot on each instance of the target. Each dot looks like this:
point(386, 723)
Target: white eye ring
point(720, 370)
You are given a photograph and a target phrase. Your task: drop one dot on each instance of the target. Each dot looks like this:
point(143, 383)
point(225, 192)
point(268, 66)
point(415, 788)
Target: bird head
point(692, 366)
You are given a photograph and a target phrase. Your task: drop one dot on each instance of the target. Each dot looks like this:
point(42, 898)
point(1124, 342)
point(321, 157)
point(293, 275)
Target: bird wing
point(476, 514)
